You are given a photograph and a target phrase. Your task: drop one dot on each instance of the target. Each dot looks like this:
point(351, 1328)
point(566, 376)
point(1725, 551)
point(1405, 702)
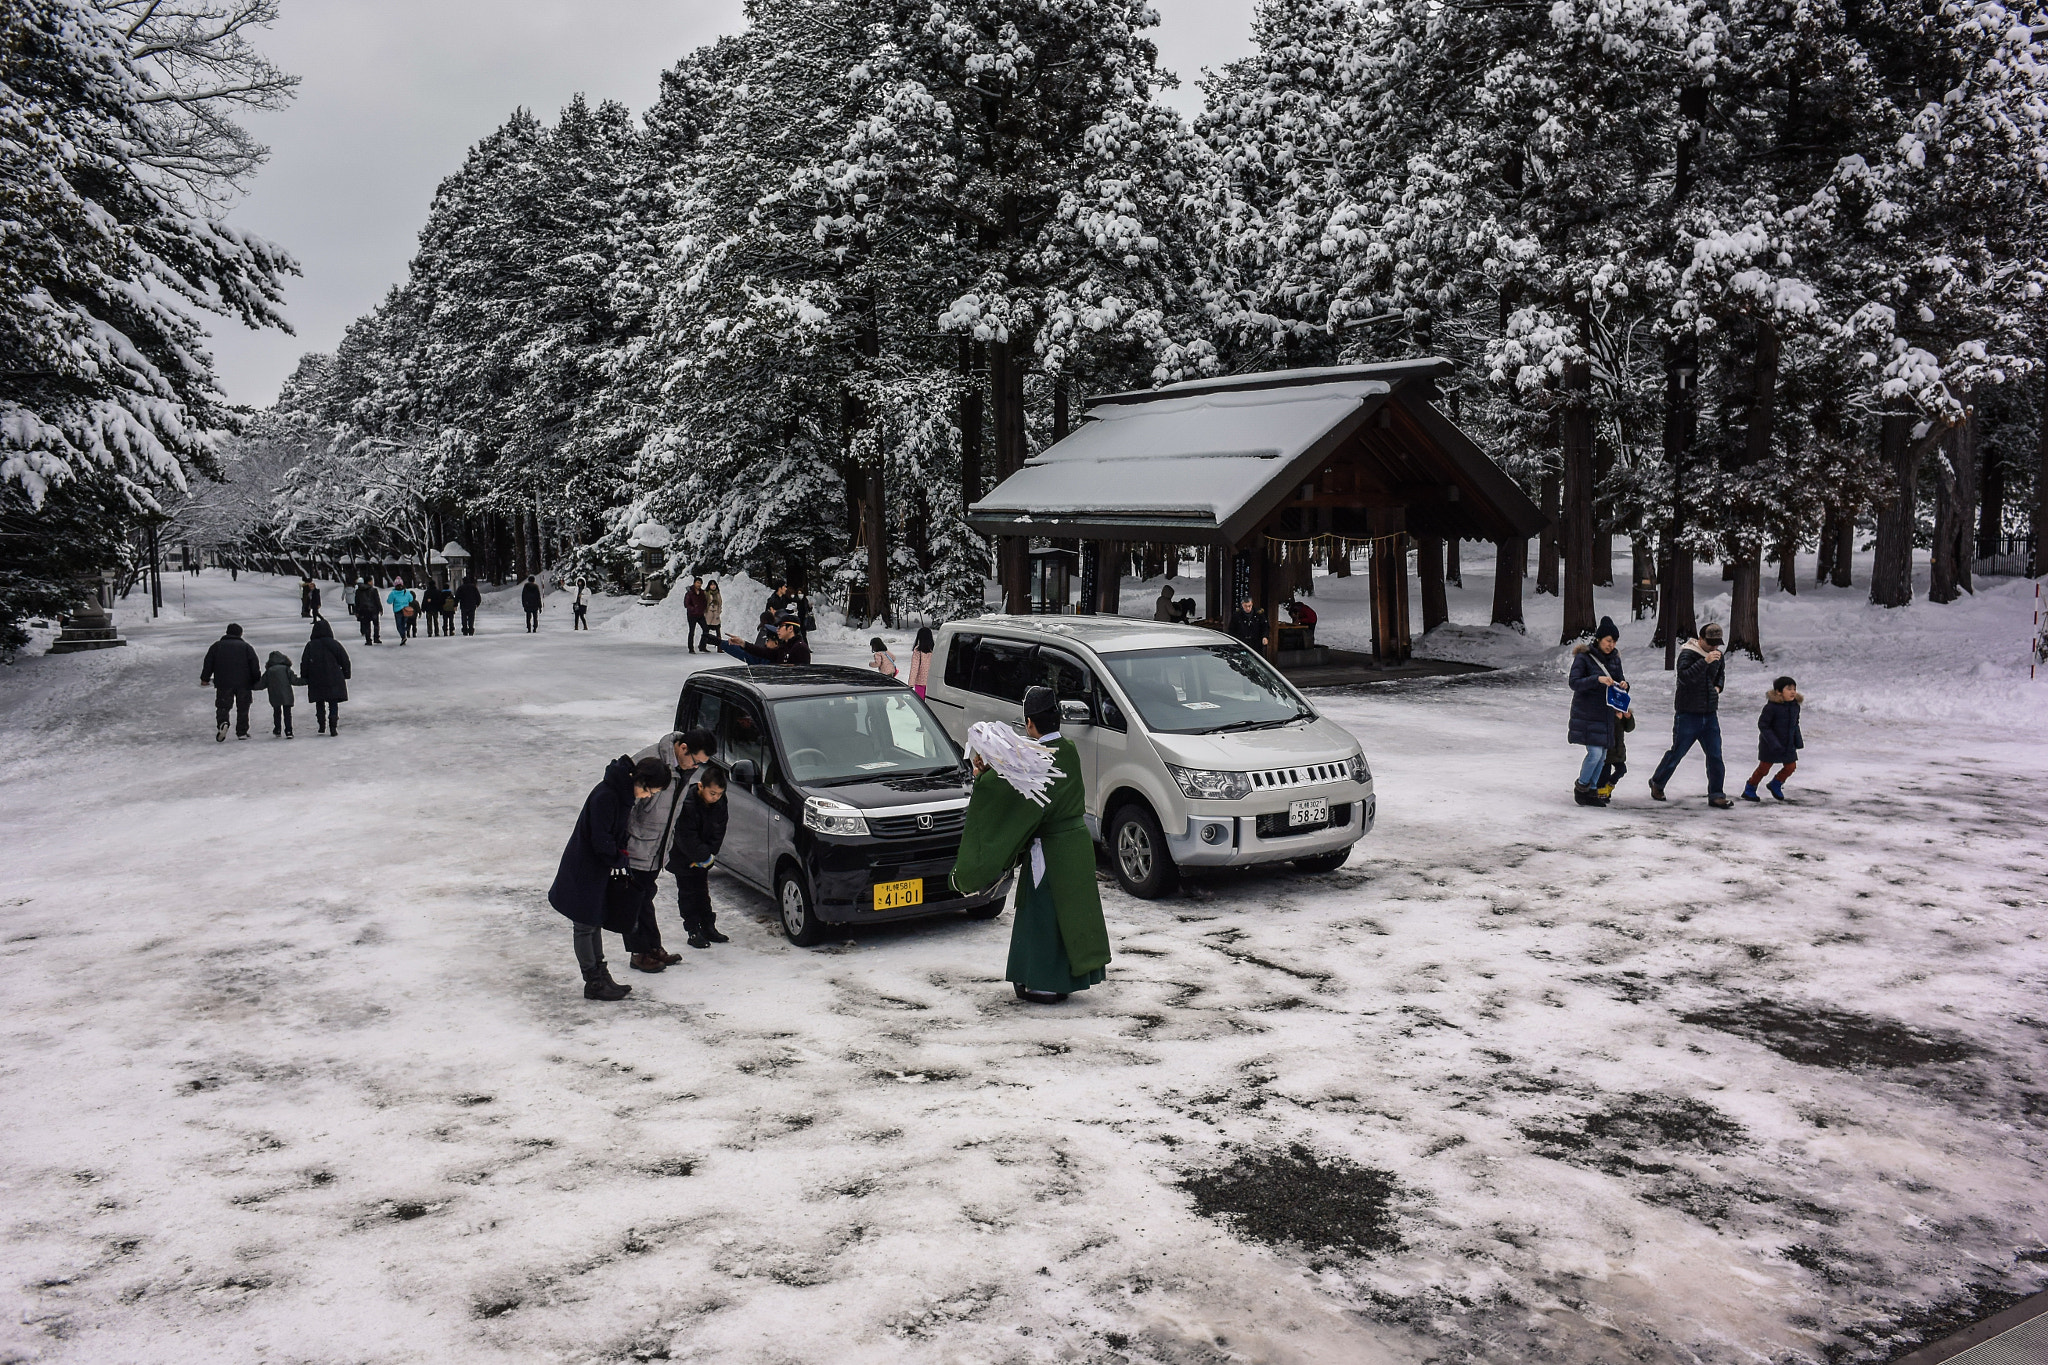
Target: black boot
point(598, 985)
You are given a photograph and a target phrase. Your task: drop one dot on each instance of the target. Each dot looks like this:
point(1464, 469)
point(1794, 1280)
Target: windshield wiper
point(1259, 724)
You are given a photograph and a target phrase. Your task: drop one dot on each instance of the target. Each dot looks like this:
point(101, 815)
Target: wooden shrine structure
point(1256, 466)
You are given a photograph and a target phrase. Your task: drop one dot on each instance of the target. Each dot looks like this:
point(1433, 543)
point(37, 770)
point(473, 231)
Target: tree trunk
point(1006, 393)
point(1546, 539)
point(1674, 594)
point(1788, 565)
point(2037, 523)
point(1429, 569)
point(1642, 573)
point(1990, 505)
point(1825, 558)
point(1575, 432)
point(1452, 574)
point(1891, 574)
point(877, 537)
point(1943, 574)
point(1511, 559)
point(1845, 545)
point(1744, 615)
point(970, 425)
point(1340, 558)
point(1965, 458)
point(518, 532)
point(1603, 531)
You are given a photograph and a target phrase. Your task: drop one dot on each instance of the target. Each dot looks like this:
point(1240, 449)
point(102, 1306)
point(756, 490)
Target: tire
point(1137, 853)
point(985, 912)
point(1323, 862)
point(799, 918)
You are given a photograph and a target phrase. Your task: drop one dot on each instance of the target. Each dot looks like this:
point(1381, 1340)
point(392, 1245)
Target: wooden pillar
point(1390, 640)
point(1429, 567)
point(1276, 585)
point(1452, 574)
point(1213, 560)
point(1109, 577)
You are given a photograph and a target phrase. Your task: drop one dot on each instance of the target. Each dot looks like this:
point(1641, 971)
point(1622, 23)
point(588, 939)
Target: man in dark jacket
point(305, 597)
point(700, 830)
point(468, 597)
point(232, 670)
point(694, 604)
point(1595, 668)
point(788, 647)
point(369, 613)
point(1248, 624)
point(1696, 715)
point(529, 598)
point(597, 855)
point(323, 667)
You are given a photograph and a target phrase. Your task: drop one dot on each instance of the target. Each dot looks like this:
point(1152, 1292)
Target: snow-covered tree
point(107, 392)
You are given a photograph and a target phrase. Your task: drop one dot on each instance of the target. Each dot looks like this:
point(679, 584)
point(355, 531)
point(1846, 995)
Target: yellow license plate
point(896, 895)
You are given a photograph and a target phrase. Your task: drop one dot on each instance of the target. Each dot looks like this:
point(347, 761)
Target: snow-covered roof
point(1208, 460)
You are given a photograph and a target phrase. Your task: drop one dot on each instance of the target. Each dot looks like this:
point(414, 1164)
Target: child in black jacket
point(1778, 739)
point(700, 829)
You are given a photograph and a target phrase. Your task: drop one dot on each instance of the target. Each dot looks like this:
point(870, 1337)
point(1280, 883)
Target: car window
point(744, 736)
point(1201, 689)
point(707, 712)
point(1067, 676)
point(860, 737)
point(960, 661)
point(1001, 669)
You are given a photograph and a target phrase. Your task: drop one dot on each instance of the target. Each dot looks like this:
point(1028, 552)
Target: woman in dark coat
point(1594, 668)
point(595, 856)
point(323, 668)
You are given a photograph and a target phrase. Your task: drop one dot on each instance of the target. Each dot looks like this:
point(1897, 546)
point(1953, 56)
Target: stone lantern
point(457, 560)
point(650, 543)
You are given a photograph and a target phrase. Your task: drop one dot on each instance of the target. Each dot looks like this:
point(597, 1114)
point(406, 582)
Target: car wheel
point(989, 911)
point(1137, 852)
point(799, 920)
point(1324, 862)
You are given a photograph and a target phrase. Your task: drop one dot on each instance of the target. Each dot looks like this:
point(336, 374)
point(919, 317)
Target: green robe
point(1058, 941)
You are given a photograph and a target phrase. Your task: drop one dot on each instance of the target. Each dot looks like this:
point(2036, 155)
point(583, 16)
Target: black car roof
point(771, 681)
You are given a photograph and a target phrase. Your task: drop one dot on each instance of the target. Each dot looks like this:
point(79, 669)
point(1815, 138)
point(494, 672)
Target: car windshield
point(861, 736)
point(1201, 689)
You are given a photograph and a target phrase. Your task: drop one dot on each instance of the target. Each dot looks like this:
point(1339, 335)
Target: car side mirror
point(743, 773)
point(1075, 712)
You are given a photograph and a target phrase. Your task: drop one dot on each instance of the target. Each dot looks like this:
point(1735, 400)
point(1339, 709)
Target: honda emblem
point(924, 822)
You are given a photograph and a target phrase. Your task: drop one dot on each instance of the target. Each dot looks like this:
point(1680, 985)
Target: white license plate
point(1314, 811)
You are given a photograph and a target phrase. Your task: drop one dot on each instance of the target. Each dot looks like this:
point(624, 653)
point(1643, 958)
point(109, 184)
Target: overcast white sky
point(396, 91)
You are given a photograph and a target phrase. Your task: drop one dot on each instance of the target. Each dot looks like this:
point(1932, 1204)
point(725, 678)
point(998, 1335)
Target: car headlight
point(833, 817)
point(1361, 771)
point(1205, 784)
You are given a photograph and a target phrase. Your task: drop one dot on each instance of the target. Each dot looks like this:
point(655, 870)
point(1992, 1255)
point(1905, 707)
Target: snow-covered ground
point(298, 1069)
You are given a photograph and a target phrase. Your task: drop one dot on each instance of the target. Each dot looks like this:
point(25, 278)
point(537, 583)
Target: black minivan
point(847, 797)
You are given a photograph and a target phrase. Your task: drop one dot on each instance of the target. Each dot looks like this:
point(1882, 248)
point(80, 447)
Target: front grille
point(907, 826)
point(1307, 775)
point(939, 861)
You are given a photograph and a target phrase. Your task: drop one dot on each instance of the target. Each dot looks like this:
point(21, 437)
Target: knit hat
point(1607, 630)
point(1711, 633)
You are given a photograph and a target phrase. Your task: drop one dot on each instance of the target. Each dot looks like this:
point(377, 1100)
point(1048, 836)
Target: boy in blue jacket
point(1778, 739)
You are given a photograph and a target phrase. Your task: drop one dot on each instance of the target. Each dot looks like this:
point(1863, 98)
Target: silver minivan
point(1196, 751)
